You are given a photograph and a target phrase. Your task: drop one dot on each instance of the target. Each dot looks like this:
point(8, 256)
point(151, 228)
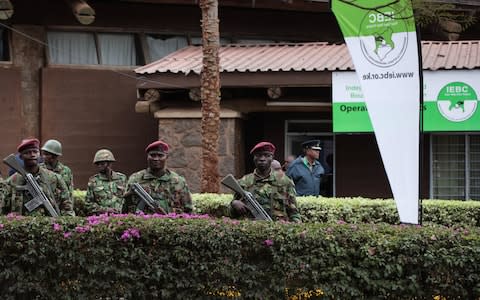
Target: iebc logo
point(457, 101)
point(383, 37)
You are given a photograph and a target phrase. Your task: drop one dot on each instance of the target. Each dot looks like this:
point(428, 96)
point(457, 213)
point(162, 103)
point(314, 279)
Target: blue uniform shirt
point(307, 182)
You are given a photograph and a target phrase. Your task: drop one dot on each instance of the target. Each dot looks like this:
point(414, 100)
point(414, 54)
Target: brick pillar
point(28, 54)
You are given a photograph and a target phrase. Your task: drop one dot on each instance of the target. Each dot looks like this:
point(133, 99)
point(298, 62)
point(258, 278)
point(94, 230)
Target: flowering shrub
point(199, 257)
point(351, 210)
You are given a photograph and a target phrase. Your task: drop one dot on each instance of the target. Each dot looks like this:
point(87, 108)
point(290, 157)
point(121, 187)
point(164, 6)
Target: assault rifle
point(39, 197)
point(146, 199)
point(252, 204)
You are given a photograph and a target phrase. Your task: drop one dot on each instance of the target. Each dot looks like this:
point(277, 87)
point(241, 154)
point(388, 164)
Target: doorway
point(299, 131)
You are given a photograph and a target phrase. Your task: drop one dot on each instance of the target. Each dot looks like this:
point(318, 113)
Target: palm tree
point(210, 94)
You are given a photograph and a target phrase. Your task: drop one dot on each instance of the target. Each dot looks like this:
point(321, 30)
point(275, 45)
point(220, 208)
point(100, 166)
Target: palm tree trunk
point(210, 93)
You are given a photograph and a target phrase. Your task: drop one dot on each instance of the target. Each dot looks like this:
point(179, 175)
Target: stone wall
point(185, 139)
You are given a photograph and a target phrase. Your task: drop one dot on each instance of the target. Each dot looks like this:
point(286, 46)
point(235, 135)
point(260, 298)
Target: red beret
point(28, 143)
point(263, 146)
point(157, 144)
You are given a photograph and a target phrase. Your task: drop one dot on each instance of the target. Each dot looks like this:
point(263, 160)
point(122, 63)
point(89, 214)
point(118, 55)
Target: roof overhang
point(288, 65)
point(236, 79)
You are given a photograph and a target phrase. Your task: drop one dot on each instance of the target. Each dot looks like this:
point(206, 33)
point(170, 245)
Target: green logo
point(457, 101)
point(383, 35)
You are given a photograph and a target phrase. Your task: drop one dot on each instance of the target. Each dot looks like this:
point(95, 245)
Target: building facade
point(74, 80)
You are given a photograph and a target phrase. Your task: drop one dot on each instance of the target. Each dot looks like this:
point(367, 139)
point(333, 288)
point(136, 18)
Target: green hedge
point(351, 210)
point(144, 257)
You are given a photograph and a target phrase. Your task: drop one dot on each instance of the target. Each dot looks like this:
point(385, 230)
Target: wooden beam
point(260, 79)
point(248, 105)
point(193, 113)
point(6, 9)
point(458, 2)
point(82, 11)
point(148, 106)
point(241, 105)
point(289, 5)
point(450, 30)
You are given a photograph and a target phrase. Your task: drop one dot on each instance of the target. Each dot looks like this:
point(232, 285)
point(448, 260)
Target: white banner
point(382, 41)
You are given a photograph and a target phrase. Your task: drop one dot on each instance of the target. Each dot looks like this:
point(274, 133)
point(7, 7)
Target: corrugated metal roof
point(307, 57)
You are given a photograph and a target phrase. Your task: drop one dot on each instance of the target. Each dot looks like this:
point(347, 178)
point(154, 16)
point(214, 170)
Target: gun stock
point(255, 208)
point(12, 162)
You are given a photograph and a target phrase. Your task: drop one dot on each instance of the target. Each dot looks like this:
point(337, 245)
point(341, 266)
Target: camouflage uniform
point(276, 194)
point(53, 187)
point(3, 191)
point(170, 191)
point(105, 194)
point(65, 172)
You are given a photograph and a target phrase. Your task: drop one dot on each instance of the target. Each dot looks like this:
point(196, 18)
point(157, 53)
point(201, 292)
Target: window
point(197, 41)
point(88, 48)
point(4, 45)
point(455, 167)
point(474, 164)
point(117, 49)
point(161, 46)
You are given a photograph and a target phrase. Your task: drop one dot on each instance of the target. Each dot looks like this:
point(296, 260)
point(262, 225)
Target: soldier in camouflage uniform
point(51, 150)
point(51, 183)
point(272, 189)
point(3, 190)
point(106, 188)
point(166, 187)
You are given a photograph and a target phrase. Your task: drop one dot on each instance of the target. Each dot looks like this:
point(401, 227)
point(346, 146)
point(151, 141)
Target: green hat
point(53, 146)
point(103, 155)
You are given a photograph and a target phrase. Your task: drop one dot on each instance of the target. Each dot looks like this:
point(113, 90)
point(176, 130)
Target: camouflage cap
point(103, 155)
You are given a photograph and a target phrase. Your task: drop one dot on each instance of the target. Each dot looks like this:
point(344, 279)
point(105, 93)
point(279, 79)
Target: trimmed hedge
point(351, 210)
point(155, 257)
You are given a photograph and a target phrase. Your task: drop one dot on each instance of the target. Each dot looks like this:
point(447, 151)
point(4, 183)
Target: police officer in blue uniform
point(306, 171)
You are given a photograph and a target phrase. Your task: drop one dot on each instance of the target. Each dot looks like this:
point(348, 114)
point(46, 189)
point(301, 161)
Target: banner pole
point(421, 137)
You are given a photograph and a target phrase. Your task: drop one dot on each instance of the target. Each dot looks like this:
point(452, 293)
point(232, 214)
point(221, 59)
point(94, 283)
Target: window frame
point(466, 165)
point(140, 51)
point(313, 135)
point(7, 37)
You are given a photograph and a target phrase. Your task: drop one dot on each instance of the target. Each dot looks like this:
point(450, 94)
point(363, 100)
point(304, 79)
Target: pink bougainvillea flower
point(1, 226)
point(341, 222)
point(57, 227)
point(14, 216)
point(67, 234)
point(130, 233)
point(125, 236)
point(303, 234)
point(82, 229)
point(100, 219)
point(268, 242)
point(135, 232)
